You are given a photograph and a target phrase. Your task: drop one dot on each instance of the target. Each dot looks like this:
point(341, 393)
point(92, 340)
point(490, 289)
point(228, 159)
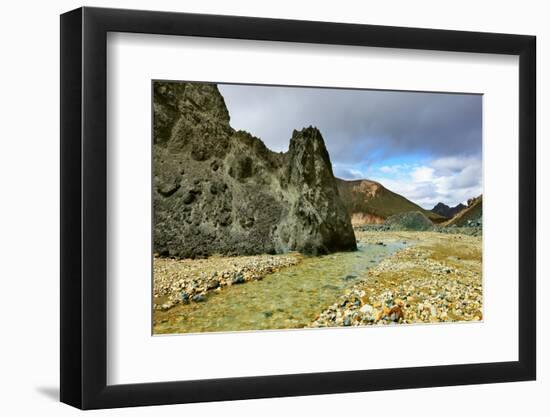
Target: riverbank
point(185, 281)
point(437, 279)
point(290, 298)
point(396, 277)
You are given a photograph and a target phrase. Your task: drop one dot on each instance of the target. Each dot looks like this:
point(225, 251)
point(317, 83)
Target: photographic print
point(288, 207)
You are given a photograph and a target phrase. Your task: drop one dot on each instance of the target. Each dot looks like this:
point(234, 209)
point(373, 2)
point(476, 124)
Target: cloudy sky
point(424, 146)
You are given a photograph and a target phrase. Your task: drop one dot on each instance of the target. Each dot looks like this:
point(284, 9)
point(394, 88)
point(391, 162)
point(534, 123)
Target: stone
point(212, 284)
point(395, 313)
point(199, 298)
point(238, 279)
point(184, 297)
point(367, 309)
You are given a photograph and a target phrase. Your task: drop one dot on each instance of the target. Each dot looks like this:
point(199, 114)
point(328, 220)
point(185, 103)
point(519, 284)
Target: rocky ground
point(476, 230)
point(466, 230)
point(189, 280)
point(436, 279)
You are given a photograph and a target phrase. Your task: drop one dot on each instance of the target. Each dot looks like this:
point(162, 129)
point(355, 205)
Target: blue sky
point(424, 146)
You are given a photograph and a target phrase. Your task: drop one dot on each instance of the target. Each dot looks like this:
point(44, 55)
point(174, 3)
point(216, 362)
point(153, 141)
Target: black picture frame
point(84, 207)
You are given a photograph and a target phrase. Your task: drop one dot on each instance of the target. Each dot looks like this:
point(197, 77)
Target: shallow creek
point(287, 299)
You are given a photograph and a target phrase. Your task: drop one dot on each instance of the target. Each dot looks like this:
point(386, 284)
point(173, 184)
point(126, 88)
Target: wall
point(29, 211)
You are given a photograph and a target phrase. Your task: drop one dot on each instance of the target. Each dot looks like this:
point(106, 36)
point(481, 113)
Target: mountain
point(446, 211)
point(469, 216)
point(221, 191)
point(370, 202)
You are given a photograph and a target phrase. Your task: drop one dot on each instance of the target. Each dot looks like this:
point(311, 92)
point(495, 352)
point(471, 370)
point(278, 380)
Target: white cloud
point(422, 174)
point(448, 180)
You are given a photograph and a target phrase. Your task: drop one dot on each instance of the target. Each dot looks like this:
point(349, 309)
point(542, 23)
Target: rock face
point(446, 211)
point(221, 191)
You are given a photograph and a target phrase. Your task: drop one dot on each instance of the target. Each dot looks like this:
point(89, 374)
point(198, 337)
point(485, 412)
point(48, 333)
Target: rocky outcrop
point(446, 211)
point(413, 221)
point(221, 191)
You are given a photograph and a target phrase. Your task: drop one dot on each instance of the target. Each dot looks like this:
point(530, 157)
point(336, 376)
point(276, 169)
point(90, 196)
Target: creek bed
point(288, 299)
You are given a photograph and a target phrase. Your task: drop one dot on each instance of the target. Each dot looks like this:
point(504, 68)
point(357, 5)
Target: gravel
point(189, 280)
point(439, 280)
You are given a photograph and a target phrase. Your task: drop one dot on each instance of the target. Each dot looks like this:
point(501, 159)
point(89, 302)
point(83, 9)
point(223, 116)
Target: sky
point(424, 146)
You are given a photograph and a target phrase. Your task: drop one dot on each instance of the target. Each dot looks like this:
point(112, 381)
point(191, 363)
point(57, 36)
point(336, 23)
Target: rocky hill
point(446, 211)
point(412, 221)
point(469, 216)
point(369, 202)
point(221, 191)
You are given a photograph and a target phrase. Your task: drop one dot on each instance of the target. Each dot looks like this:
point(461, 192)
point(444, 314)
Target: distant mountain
point(446, 211)
point(370, 202)
point(472, 214)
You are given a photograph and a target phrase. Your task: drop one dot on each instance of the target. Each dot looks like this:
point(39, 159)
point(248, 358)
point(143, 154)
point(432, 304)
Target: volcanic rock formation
point(221, 191)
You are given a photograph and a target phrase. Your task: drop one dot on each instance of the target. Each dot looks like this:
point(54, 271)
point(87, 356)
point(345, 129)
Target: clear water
point(290, 298)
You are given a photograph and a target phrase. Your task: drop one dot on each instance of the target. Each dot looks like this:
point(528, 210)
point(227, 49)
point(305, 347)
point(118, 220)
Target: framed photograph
point(259, 208)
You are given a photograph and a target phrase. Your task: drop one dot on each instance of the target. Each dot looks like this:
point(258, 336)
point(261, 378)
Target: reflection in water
point(288, 299)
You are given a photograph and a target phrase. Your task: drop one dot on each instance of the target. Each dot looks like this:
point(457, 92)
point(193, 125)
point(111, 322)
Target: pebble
point(212, 284)
point(367, 309)
point(239, 279)
point(199, 298)
point(179, 280)
point(184, 297)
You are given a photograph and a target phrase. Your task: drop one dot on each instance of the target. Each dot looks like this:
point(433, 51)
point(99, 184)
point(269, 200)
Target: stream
point(290, 298)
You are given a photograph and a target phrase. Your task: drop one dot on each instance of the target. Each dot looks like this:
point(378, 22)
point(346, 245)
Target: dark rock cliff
point(221, 191)
point(446, 211)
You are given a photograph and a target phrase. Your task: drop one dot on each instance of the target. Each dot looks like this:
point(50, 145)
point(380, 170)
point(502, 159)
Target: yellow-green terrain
point(396, 277)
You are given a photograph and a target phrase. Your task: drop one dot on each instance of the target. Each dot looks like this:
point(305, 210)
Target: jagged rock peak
point(221, 191)
point(447, 211)
point(190, 117)
point(308, 157)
